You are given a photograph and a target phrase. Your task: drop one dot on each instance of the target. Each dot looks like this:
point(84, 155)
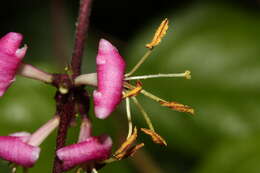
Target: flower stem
point(145, 115)
point(186, 74)
point(81, 30)
point(38, 136)
point(66, 103)
point(86, 79)
point(32, 72)
point(85, 129)
point(65, 109)
point(140, 62)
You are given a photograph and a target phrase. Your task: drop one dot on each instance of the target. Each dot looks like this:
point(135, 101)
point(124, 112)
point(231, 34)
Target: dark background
point(120, 19)
point(217, 40)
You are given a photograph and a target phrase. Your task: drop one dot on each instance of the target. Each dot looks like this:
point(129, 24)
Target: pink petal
point(93, 149)
point(110, 71)
point(10, 42)
point(24, 136)
point(16, 151)
point(10, 58)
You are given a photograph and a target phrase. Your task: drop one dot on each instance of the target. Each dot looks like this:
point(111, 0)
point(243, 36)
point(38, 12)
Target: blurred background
point(218, 41)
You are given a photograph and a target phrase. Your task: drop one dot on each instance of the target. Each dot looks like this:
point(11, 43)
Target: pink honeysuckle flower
point(88, 150)
point(110, 74)
point(17, 151)
point(22, 147)
point(10, 58)
point(91, 150)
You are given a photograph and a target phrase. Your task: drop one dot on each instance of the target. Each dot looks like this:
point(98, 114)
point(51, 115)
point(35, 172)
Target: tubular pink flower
point(10, 58)
point(15, 150)
point(22, 147)
point(91, 150)
point(110, 72)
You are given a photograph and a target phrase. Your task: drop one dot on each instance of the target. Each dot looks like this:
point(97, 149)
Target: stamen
point(145, 115)
point(140, 62)
point(156, 138)
point(173, 105)
point(125, 149)
point(178, 107)
point(186, 74)
point(129, 118)
point(150, 95)
point(125, 146)
point(135, 91)
point(134, 149)
point(159, 34)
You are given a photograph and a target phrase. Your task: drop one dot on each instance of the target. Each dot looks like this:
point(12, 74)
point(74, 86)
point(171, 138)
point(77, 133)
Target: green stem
point(145, 115)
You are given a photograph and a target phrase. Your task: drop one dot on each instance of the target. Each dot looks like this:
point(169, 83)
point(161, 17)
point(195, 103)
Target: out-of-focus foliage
point(220, 45)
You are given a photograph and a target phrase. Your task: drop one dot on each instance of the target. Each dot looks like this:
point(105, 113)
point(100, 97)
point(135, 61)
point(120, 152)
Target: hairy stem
point(65, 109)
point(81, 30)
point(67, 102)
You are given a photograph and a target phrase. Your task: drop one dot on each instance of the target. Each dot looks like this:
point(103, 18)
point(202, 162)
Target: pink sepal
point(110, 72)
point(15, 150)
point(91, 150)
point(10, 58)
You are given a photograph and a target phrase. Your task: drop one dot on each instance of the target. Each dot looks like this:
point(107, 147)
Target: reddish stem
point(76, 100)
point(81, 30)
point(65, 109)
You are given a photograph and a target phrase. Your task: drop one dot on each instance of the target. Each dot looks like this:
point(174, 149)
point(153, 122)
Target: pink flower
point(10, 58)
point(15, 150)
point(91, 150)
point(88, 150)
point(22, 147)
point(110, 74)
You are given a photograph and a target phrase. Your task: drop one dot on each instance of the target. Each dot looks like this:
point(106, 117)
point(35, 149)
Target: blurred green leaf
point(220, 45)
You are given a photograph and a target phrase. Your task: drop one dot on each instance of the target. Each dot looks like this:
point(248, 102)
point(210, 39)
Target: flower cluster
point(113, 86)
